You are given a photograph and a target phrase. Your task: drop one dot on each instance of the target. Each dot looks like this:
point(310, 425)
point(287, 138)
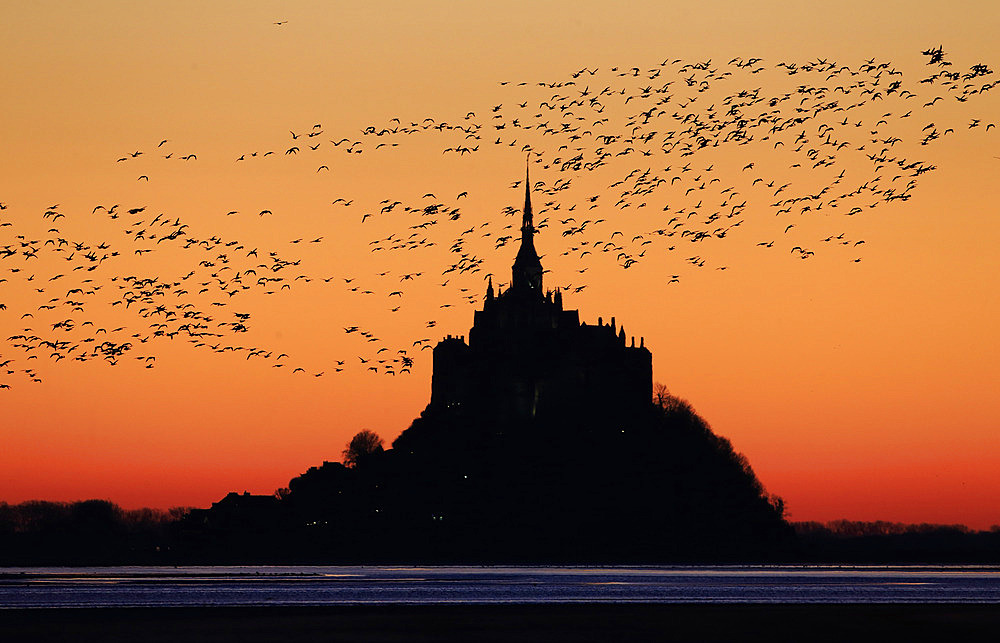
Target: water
point(300, 585)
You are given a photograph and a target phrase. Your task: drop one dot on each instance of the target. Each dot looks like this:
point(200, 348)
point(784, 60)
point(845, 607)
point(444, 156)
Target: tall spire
point(527, 271)
point(526, 222)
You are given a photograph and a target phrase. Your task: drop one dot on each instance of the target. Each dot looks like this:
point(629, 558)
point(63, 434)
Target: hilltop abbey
point(527, 356)
point(541, 444)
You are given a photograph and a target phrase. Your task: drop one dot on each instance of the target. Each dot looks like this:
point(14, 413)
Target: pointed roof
point(527, 269)
point(526, 221)
point(527, 249)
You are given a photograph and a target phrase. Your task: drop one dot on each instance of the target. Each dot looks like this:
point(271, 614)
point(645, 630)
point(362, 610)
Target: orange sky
point(862, 390)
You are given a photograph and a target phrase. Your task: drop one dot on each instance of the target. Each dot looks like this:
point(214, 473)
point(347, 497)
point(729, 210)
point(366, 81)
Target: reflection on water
point(309, 585)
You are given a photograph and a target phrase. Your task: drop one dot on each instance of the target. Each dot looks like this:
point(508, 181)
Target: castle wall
point(539, 361)
point(450, 381)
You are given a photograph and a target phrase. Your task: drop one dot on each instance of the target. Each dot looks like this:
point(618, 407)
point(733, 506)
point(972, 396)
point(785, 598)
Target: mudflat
point(561, 622)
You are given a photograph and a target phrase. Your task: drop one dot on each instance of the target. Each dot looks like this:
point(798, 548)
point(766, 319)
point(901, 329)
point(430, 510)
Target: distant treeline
point(95, 532)
point(852, 541)
point(859, 529)
point(86, 532)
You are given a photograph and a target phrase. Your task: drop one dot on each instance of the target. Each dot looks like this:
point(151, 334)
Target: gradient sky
point(862, 390)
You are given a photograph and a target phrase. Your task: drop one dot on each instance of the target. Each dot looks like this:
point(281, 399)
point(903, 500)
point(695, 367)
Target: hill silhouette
point(463, 485)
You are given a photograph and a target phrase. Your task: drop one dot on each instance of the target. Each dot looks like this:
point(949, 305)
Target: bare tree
point(661, 396)
point(362, 445)
point(668, 402)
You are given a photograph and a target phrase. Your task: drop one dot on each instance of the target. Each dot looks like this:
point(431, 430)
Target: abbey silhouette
point(541, 443)
point(527, 355)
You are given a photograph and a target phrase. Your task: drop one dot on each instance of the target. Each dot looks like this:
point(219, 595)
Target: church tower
point(526, 275)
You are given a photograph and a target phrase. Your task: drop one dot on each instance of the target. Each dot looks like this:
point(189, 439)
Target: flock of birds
point(666, 161)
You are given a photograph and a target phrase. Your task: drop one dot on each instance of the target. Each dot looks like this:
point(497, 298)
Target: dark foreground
point(580, 622)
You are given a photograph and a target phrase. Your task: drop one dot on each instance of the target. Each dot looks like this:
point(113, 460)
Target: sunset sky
point(860, 379)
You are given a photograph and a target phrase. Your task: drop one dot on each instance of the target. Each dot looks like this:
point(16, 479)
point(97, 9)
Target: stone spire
point(527, 271)
point(526, 221)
